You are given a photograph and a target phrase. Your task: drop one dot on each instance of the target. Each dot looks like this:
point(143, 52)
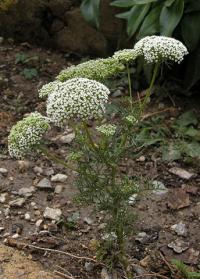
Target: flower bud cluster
point(125, 56)
point(49, 88)
point(77, 98)
point(27, 134)
point(99, 69)
point(107, 129)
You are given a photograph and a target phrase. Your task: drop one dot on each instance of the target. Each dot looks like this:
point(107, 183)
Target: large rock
point(79, 36)
point(59, 7)
point(110, 26)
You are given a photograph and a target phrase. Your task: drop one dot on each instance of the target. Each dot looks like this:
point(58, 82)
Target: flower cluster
point(99, 69)
point(160, 48)
point(131, 119)
point(107, 129)
point(48, 88)
point(125, 55)
point(27, 134)
point(77, 98)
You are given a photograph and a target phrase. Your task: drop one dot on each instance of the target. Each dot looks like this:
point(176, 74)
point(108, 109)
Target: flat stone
point(15, 236)
point(88, 220)
point(59, 177)
point(2, 229)
point(141, 159)
point(67, 138)
point(3, 197)
point(3, 171)
point(38, 170)
point(184, 174)
point(159, 188)
point(58, 189)
point(52, 213)
point(178, 246)
point(17, 203)
point(27, 216)
point(89, 266)
point(26, 191)
point(49, 172)
point(180, 229)
point(142, 237)
point(7, 212)
point(39, 223)
point(105, 274)
point(45, 184)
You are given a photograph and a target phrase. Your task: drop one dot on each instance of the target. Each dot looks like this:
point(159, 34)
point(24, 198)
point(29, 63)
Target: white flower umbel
point(27, 134)
point(77, 98)
point(99, 69)
point(125, 56)
point(48, 88)
point(107, 129)
point(160, 48)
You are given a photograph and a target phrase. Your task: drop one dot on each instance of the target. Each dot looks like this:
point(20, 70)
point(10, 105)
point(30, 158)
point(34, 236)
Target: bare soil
point(156, 213)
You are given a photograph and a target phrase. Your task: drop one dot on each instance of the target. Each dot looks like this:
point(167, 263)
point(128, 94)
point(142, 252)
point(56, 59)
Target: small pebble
point(3, 171)
point(15, 236)
point(27, 216)
point(58, 189)
point(38, 223)
point(59, 177)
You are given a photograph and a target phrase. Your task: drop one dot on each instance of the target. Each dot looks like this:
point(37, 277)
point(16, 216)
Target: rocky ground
point(39, 216)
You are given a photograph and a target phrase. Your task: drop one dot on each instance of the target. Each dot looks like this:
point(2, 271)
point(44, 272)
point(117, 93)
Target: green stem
point(94, 147)
point(151, 86)
point(56, 159)
point(129, 85)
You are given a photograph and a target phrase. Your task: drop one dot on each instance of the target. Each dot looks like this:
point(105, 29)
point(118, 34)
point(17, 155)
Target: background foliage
point(173, 18)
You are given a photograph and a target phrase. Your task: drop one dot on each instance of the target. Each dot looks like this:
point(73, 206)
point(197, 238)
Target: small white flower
point(27, 134)
point(48, 88)
point(125, 55)
point(77, 98)
point(107, 129)
point(160, 48)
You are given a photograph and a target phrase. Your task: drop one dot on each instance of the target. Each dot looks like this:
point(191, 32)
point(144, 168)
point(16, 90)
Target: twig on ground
point(166, 262)
point(64, 270)
point(21, 244)
point(63, 275)
point(157, 112)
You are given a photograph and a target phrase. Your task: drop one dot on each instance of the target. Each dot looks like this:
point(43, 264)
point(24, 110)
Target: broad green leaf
point(150, 25)
point(192, 149)
point(130, 3)
point(134, 18)
point(90, 11)
point(122, 3)
point(190, 27)
point(187, 118)
point(171, 152)
point(193, 133)
point(168, 3)
point(170, 17)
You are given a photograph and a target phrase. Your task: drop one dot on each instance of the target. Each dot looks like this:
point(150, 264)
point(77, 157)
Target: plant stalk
point(56, 159)
point(151, 86)
point(130, 86)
